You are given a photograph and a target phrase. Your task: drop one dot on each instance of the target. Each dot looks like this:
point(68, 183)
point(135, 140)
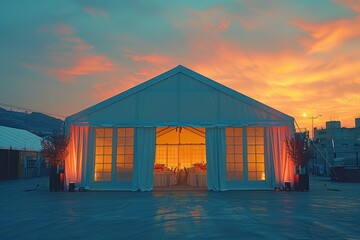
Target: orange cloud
point(287, 78)
point(290, 81)
point(83, 66)
point(328, 36)
point(113, 86)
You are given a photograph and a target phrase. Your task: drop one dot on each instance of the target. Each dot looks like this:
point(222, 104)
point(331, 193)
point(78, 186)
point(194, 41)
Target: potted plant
point(299, 153)
point(54, 150)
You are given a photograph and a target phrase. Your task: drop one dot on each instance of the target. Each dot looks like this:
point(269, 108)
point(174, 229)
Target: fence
point(346, 158)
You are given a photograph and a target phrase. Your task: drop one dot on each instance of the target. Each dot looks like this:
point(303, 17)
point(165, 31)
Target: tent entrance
point(180, 159)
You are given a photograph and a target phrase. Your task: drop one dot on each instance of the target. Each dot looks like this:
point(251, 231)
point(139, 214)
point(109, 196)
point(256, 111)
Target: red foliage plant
point(55, 150)
point(298, 148)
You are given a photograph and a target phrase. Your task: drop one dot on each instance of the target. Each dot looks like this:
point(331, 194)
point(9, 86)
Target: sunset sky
point(296, 56)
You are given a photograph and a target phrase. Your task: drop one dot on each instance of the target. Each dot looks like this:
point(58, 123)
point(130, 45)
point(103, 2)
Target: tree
point(54, 150)
point(298, 149)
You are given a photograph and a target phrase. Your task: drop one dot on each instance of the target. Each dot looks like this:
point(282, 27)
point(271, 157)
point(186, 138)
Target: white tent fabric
point(276, 150)
point(18, 139)
point(144, 158)
point(76, 162)
point(216, 159)
point(181, 98)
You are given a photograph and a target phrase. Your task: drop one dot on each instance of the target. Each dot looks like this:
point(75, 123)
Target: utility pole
point(312, 124)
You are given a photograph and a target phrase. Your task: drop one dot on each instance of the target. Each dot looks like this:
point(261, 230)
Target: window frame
point(124, 154)
point(114, 173)
point(246, 155)
point(104, 146)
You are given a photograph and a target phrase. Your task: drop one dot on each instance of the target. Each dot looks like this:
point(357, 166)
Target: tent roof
point(18, 139)
point(77, 118)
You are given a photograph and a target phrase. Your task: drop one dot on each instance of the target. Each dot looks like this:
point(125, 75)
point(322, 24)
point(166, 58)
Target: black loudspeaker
point(287, 186)
point(71, 187)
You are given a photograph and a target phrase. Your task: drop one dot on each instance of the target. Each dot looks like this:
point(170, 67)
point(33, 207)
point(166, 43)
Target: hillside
point(38, 123)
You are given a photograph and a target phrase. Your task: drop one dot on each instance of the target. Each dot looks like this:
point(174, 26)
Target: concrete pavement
point(28, 210)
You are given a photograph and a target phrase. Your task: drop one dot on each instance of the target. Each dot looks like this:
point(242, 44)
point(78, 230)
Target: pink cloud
point(72, 57)
point(63, 29)
point(151, 58)
point(73, 40)
point(146, 73)
point(352, 4)
point(95, 11)
point(212, 20)
point(82, 47)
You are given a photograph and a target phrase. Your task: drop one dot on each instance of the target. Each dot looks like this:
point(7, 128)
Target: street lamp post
point(312, 124)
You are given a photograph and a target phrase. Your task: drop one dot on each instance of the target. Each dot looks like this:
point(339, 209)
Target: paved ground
point(26, 213)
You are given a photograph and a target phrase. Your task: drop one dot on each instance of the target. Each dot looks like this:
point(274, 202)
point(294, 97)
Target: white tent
point(19, 153)
point(114, 143)
point(18, 139)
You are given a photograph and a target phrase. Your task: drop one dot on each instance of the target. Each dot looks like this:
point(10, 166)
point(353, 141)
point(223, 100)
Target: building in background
point(19, 154)
point(336, 146)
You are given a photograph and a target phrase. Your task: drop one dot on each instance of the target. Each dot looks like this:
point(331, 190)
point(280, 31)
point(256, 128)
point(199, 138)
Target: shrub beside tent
point(54, 150)
point(298, 149)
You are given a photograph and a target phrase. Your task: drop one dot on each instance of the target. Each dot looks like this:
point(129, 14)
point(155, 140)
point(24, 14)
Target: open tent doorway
point(180, 159)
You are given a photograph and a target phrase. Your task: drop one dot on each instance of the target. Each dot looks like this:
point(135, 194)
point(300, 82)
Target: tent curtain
point(283, 169)
point(216, 158)
point(144, 158)
point(78, 149)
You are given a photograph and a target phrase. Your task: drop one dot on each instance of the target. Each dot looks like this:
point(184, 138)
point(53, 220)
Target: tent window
point(234, 154)
point(255, 157)
point(103, 154)
point(125, 154)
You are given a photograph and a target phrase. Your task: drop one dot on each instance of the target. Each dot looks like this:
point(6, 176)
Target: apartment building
point(335, 146)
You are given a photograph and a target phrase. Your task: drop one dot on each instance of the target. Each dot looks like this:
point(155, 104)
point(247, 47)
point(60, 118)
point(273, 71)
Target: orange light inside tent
point(180, 147)
point(263, 176)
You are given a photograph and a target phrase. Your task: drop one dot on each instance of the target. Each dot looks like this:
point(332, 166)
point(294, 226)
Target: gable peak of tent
point(180, 69)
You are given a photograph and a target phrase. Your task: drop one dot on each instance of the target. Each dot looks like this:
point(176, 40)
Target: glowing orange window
point(255, 153)
point(234, 154)
point(103, 154)
point(124, 154)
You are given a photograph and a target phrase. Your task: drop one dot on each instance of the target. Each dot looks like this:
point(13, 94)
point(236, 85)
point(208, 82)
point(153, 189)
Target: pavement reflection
point(317, 214)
